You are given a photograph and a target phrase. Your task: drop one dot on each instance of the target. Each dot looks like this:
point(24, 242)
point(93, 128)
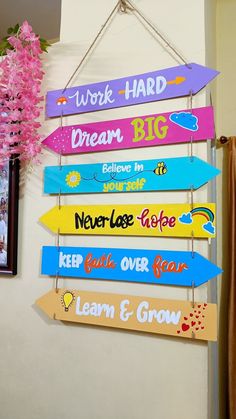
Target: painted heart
point(178, 331)
point(199, 322)
point(197, 328)
point(193, 323)
point(203, 316)
point(199, 312)
point(185, 318)
point(205, 305)
point(199, 306)
point(202, 327)
point(185, 327)
point(195, 311)
point(191, 314)
point(197, 317)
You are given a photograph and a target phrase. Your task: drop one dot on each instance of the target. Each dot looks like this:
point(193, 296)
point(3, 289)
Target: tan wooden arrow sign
point(145, 314)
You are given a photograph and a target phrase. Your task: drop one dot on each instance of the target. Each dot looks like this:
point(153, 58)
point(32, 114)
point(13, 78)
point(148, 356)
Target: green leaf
point(43, 47)
point(4, 44)
point(44, 44)
point(10, 30)
point(16, 28)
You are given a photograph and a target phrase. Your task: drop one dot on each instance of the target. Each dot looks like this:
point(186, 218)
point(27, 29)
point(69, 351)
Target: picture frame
point(9, 197)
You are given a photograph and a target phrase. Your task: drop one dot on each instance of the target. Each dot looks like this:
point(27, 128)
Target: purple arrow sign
point(149, 87)
point(142, 131)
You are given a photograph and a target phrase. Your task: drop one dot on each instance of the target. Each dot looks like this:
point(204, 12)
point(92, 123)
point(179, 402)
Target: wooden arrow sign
point(180, 173)
point(132, 265)
point(144, 314)
point(169, 220)
point(149, 87)
point(142, 131)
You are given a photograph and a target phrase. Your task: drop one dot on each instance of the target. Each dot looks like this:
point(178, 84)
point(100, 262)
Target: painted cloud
point(209, 227)
point(186, 218)
point(185, 120)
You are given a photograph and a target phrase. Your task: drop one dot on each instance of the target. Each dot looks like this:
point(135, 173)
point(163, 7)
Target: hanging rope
point(123, 6)
point(148, 22)
point(116, 8)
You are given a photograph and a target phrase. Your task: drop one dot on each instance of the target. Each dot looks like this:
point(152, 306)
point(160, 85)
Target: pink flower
point(15, 42)
point(26, 31)
point(20, 83)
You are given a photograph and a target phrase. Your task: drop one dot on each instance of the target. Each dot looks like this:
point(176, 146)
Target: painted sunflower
point(73, 179)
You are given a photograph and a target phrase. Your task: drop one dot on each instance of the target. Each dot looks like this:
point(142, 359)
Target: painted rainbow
point(205, 212)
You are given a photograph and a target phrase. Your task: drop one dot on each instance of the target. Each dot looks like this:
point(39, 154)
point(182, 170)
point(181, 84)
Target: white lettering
point(93, 98)
point(94, 309)
point(141, 88)
point(138, 167)
point(124, 313)
point(76, 260)
point(145, 87)
point(150, 85)
point(143, 315)
point(115, 168)
point(160, 84)
point(80, 138)
point(129, 90)
point(137, 264)
point(70, 260)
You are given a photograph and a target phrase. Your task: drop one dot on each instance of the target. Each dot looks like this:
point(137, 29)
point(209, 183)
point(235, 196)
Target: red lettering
point(159, 266)
point(144, 223)
point(165, 266)
point(155, 220)
point(172, 221)
point(104, 261)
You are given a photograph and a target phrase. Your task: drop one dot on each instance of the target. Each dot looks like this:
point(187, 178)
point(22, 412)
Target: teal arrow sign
point(131, 265)
point(180, 173)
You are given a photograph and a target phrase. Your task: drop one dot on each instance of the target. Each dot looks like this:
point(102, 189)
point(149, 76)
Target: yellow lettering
point(149, 128)
point(160, 132)
point(139, 132)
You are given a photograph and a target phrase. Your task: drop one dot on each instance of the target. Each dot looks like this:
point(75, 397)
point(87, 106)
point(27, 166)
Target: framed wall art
point(9, 193)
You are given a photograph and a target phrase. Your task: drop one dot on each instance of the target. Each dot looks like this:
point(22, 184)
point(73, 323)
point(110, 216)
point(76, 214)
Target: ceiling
point(43, 15)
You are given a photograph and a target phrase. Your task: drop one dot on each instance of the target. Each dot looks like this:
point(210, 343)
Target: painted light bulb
point(67, 299)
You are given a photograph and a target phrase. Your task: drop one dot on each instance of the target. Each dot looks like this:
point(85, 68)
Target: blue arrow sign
point(180, 173)
point(130, 265)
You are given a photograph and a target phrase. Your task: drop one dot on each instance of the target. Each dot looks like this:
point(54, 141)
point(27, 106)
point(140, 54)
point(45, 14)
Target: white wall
point(52, 370)
point(43, 16)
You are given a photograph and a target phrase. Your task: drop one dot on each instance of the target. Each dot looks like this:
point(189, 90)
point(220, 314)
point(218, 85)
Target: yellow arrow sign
point(167, 317)
point(169, 220)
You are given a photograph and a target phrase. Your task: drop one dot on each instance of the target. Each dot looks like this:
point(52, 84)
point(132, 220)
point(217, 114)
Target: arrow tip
point(51, 219)
point(205, 270)
point(202, 172)
point(53, 142)
point(201, 76)
point(47, 303)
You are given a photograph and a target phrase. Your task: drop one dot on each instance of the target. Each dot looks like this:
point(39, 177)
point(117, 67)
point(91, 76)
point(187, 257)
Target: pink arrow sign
point(142, 131)
point(149, 87)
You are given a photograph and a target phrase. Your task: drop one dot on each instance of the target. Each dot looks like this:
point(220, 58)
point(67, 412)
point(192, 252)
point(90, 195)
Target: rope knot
point(123, 6)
